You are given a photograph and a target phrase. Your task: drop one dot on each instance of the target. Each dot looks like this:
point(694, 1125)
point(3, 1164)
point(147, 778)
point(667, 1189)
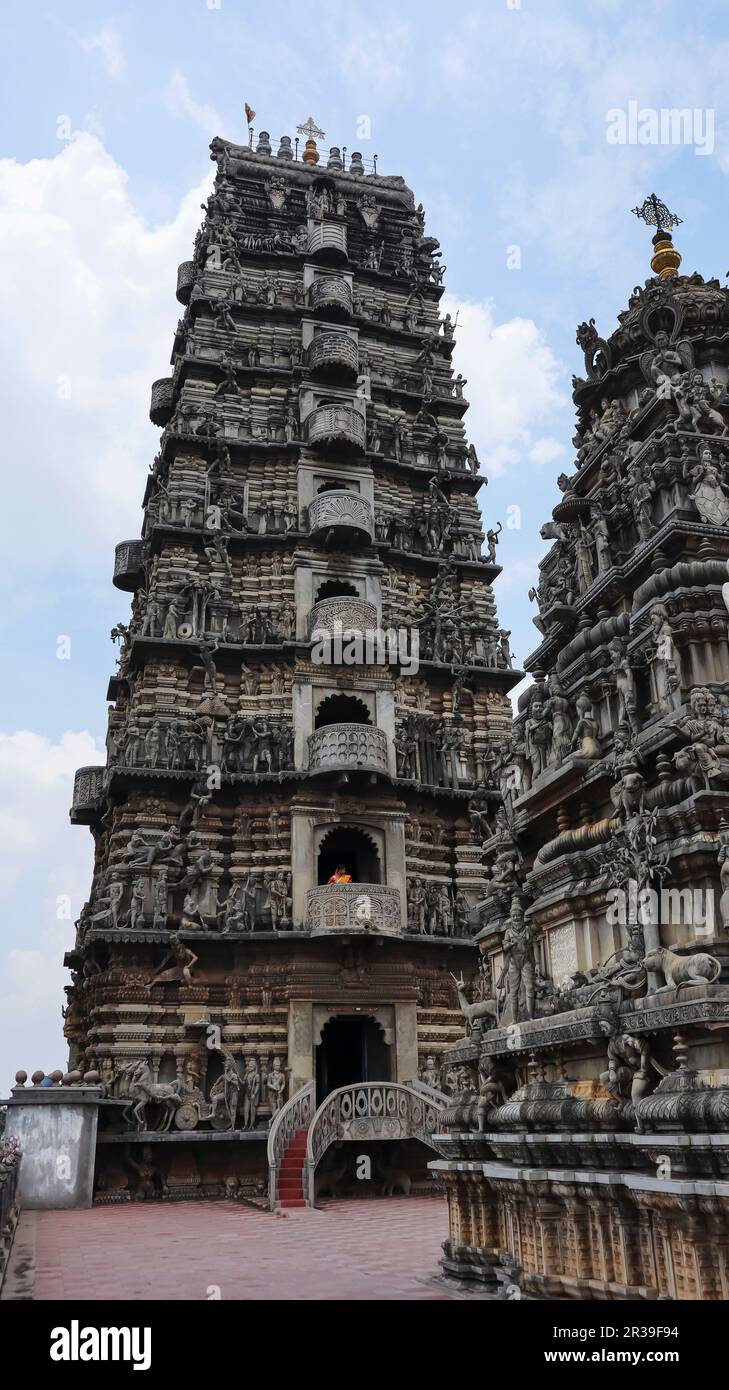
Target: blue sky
point(497, 116)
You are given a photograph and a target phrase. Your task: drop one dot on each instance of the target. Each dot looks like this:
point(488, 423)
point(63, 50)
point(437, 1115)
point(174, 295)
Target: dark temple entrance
point(352, 1048)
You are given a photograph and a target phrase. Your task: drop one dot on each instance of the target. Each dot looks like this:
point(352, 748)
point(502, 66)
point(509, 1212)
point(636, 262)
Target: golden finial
point(666, 259)
point(312, 132)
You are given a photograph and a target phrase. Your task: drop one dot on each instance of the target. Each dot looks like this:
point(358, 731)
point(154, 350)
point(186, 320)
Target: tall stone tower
point(300, 737)
point(600, 1160)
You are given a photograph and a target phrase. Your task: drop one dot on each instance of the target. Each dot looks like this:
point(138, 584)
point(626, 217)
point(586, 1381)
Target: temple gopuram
point(310, 698)
point(586, 1151)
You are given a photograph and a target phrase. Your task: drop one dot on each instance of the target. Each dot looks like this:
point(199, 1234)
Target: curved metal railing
point(295, 1114)
point(369, 1110)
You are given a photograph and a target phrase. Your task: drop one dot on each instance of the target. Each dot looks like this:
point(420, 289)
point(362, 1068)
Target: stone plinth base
point(57, 1132)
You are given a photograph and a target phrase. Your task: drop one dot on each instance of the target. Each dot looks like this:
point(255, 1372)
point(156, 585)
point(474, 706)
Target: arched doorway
point(341, 709)
point(334, 484)
point(352, 1049)
point(348, 846)
point(336, 588)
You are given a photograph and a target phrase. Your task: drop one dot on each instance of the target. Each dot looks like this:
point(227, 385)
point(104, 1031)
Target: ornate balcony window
point(327, 241)
point(339, 427)
point(88, 787)
point(346, 613)
point(348, 748)
point(333, 356)
point(185, 281)
point(341, 512)
point(163, 401)
point(332, 296)
point(359, 907)
point(128, 565)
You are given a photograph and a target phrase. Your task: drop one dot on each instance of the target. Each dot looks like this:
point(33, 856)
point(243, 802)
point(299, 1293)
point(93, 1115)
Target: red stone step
point(290, 1171)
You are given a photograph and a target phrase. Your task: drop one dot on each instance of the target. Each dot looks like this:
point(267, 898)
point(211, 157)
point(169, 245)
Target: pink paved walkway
point(353, 1249)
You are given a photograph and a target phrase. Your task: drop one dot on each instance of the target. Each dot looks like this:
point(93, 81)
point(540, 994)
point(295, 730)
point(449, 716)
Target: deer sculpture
point(473, 1013)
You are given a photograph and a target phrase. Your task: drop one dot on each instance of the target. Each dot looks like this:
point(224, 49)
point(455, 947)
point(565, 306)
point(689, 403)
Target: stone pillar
point(303, 874)
point(301, 1044)
point(303, 718)
point(395, 872)
point(406, 1041)
point(385, 720)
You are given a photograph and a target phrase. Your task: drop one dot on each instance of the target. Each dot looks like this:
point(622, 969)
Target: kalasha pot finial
point(666, 259)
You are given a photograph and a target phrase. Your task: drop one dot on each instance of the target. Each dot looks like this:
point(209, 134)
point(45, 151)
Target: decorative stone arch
point(334, 484)
point(336, 588)
point(340, 707)
point(383, 1015)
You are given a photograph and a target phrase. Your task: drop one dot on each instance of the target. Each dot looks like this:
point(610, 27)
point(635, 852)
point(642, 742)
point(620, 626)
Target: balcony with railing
point(333, 357)
point(332, 296)
point(341, 515)
point(185, 281)
point(353, 907)
point(339, 615)
point(348, 748)
point(88, 789)
point(163, 401)
point(128, 565)
point(339, 427)
point(327, 241)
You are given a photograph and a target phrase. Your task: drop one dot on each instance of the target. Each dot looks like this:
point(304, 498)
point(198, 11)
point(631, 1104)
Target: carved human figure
point(642, 503)
point(707, 491)
point(492, 539)
point(182, 961)
point(430, 1073)
point(706, 759)
point(624, 684)
point(628, 789)
point(491, 1090)
point(665, 365)
point(583, 559)
point(116, 893)
point(585, 737)
point(664, 669)
point(249, 902)
point(559, 711)
point(251, 1092)
point(537, 737)
point(416, 905)
point(518, 971)
point(159, 920)
point(723, 862)
point(136, 906)
point(275, 900)
point(276, 1086)
point(173, 616)
point(228, 1086)
point(601, 534)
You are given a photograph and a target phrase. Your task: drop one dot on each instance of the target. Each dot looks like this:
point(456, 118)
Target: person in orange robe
point(340, 875)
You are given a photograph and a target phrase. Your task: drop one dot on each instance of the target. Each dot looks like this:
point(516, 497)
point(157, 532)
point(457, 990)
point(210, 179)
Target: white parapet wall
point(57, 1132)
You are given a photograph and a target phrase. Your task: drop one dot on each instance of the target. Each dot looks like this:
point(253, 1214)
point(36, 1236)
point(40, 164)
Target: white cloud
point(42, 858)
point(178, 100)
point(108, 45)
point(513, 386)
point(374, 56)
point(87, 328)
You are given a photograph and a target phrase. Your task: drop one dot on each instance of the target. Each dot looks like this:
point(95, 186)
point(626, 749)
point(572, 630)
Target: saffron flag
point(250, 114)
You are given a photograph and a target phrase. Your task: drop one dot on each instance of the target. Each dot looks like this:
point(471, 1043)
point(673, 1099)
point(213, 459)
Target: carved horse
point(143, 1091)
